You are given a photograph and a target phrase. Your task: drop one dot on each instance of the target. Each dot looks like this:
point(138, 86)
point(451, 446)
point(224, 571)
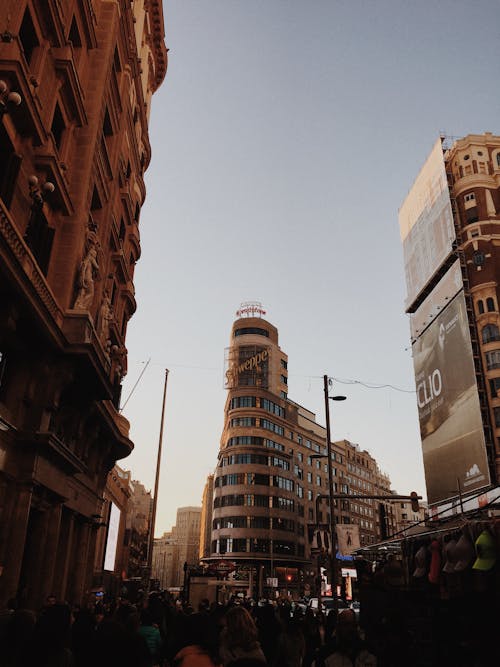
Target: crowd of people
point(162, 632)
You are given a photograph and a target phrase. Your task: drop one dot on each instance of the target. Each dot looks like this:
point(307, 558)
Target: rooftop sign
point(250, 309)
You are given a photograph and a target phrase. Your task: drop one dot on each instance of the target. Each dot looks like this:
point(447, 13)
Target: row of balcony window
point(255, 479)
point(256, 545)
point(254, 500)
point(264, 522)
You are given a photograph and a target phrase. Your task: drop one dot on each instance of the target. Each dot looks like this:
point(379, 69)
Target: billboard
point(449, 285)
point(112, 538)
point(451, 427)
point(426, 224)
point(246, 366)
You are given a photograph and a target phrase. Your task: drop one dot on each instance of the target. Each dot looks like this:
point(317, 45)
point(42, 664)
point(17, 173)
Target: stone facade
point(74, 153)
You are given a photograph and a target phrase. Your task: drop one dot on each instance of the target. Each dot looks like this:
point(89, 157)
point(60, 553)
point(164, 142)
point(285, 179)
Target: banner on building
point(451, 427)
point(426, 224)
point(112, 538)
point(347, 538)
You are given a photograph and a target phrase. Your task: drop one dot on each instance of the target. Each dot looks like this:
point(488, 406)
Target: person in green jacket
point(152, 637)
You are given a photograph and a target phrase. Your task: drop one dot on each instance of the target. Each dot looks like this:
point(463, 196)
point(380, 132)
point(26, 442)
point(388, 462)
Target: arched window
point(490, 332)
point(480, 306)
point(490, 304)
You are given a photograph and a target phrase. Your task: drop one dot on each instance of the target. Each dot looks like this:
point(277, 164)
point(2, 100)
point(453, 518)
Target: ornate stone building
point(77, 77)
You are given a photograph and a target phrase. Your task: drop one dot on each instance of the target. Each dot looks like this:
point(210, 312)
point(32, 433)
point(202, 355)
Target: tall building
point(179, 546)
point(272, 466)
point(206, 517)
point(76, 82)
point(449, 223)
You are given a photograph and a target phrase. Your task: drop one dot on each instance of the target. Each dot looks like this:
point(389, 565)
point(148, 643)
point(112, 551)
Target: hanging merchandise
point(450, 556)
point(420, 562)
point(435, 566)
point(485, 552)
point(464, 552)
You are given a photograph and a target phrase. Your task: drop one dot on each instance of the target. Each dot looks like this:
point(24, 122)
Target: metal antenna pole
point(157, 480)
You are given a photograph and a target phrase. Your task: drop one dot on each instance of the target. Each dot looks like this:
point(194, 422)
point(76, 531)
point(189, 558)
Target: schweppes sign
point(252, 363)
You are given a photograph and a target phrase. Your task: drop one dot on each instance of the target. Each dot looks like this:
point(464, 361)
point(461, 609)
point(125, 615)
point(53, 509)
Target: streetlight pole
point(157, 480)
point(331, 502)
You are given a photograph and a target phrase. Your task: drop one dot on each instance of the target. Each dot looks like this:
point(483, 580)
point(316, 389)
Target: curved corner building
point(260, 507)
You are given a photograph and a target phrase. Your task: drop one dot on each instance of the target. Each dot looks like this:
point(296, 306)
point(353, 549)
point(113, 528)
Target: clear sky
point(285, 137)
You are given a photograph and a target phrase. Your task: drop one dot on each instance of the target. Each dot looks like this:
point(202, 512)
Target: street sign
point(222, 567)
point(272, 581)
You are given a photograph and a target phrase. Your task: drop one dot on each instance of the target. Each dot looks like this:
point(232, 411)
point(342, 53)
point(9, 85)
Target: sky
point(285, 137)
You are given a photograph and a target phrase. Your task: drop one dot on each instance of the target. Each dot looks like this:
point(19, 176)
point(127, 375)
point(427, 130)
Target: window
point(259, 522)
point(74, 35)
point(494, 387)
point(310, 514)
point(480, 307)
point(273, 445)
point(284, 364)
point(244, 440)
point(283, 483)
point(318, 480)
point(300, 491)
point(490, 333)
point(470, 197)
point(284, 379)
point(284, 395)
point(496, 414)
point(309, 477)
point(309, 494)
point(243, 402)
point(493, 359)
point(272, 407)
point(299, 439)
point(251, 330)
point(300, 456)
point(279, 463)
point(28, 36)
point(271, 426)
point(58, 126)
point(243, 421)
point(498, 159)
point(490, 305)
point(283, 503)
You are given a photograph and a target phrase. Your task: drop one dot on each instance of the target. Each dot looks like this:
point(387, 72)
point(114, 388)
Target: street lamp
point(333, 541)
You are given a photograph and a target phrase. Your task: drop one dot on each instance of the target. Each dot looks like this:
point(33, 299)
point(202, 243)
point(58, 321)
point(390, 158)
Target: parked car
point(327, 604)
point(355, 606)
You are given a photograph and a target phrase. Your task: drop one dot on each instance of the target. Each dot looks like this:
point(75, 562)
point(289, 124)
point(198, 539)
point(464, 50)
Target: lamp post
point(331, 502)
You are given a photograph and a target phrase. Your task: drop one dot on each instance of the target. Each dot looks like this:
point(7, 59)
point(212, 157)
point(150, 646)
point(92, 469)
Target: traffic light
point(414, 501)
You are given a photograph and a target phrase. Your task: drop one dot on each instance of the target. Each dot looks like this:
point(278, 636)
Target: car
point(299, 608)
point(327, 604)
point(355, 606)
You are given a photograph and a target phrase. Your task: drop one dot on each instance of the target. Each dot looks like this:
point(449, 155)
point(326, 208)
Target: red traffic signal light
point(414, 501)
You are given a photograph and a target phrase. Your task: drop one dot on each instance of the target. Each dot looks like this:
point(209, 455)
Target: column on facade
point(14, 528)
point(63, 557)
point(80, 560)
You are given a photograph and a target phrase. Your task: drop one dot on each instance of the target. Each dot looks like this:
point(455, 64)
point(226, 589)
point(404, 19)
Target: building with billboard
point(76, 86)
point(272, 465)
point(449, 224)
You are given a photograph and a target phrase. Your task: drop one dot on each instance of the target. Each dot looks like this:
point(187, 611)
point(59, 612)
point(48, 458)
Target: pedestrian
point(196, 642)
point(151, 634)
point(345, 648)
point(239, 644)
